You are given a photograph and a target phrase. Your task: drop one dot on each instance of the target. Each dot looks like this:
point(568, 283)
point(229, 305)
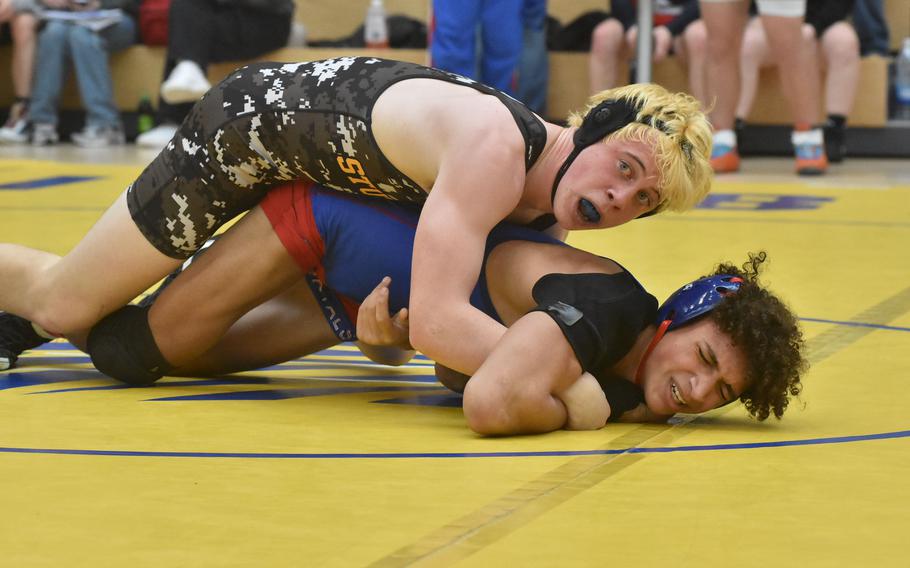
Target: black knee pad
point(122, 347)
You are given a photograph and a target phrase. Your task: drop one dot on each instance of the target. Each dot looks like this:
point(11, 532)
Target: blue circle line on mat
point(436, 455)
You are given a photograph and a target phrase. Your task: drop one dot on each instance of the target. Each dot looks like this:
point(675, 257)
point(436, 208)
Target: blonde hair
point(683, 140)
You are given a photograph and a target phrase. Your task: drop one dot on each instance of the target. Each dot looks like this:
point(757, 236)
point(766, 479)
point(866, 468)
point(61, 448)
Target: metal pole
point(644, 43)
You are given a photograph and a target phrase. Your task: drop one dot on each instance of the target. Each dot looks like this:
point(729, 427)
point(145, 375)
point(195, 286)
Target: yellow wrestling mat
point(334, 461)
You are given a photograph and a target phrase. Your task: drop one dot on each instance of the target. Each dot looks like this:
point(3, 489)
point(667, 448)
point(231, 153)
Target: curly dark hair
point(768, 334)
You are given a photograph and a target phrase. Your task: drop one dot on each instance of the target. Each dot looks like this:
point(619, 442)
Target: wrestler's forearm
point(460, 337)
point(515, 390)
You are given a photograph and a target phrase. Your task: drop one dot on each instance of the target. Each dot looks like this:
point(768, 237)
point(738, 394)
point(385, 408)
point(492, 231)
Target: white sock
point(814, 137)
point(725, 138)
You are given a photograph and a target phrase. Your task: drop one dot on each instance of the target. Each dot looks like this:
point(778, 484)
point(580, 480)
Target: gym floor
point(333, 461)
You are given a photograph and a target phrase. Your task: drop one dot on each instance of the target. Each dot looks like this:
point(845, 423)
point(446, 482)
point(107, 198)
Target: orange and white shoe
point(724, 159)
point(809, 147)
point(724, 155)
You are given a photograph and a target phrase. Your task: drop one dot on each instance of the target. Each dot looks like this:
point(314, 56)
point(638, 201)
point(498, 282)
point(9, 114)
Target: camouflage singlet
point(272, 122)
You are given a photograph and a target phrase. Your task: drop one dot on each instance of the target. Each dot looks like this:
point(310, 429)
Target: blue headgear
point(696, 299)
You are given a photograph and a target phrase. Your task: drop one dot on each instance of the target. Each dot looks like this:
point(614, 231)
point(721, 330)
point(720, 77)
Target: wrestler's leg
point(112, 264)
point(245, 267)
point(288, 326)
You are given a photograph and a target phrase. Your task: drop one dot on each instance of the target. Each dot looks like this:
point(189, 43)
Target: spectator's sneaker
point(809, 146)
point(93, 136)
point(157, 137)
point(15, 131)
point(186, 83)
point(44, 134)
point(724, 159)
point(16, 335)
point(835, 143)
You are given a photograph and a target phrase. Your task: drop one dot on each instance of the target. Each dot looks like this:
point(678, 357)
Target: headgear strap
point(601, 121)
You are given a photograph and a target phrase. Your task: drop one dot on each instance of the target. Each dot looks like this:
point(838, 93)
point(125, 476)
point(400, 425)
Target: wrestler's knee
point(122, 347)
point(61, 312)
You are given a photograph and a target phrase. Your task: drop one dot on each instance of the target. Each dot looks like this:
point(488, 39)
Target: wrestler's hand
point(375, 326)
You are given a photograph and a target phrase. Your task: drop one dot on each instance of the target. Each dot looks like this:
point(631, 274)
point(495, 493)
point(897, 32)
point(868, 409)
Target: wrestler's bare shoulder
point(419, 121)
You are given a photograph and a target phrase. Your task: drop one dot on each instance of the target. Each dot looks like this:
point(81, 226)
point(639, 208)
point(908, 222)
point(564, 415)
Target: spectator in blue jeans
point(453, 41)
point(62, 42)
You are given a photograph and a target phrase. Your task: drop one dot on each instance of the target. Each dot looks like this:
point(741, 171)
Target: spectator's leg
point(534, 70)
point(797, 66)
point(755, 55)
point(453, 41)
point(870, 24)
point(608, 50)
point(50, 70)
point(191, 38)
point(694, 50)
point(725, 22)
point(502, 30)
point(24, 31)
point(242, 33)
point(191, 33)
point(90, 58)
point(840, 49)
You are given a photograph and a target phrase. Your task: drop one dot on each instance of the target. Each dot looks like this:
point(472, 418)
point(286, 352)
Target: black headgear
point(601, 121)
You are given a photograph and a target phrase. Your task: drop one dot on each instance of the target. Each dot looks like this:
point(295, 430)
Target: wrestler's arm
point(472, 193)
point(530, 384)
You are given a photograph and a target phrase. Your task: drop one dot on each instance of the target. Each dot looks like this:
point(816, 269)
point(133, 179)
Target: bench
point(137, 70)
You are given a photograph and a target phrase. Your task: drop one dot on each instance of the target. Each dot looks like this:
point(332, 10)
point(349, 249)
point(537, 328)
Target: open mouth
point(587, 211)
point(677, 396)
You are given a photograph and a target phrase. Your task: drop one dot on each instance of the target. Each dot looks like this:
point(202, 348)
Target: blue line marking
point(41, 183)
point(857, 324)
point(437, 455)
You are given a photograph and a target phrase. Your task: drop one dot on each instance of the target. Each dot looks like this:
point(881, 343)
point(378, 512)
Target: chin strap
point(601, 121)
point(661, 331)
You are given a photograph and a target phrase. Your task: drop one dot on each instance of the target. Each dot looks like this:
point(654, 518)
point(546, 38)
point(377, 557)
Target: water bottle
point(376, 28)
point(902, 81)
point(145, 115)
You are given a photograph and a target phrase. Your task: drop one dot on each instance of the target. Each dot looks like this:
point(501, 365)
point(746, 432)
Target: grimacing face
point(607, 185)
point(693, 369)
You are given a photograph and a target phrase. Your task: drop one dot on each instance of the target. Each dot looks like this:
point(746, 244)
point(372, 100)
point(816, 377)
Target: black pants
point(207, 31)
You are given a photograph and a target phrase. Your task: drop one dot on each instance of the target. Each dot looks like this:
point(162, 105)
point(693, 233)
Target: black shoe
point(835, 144)
point(16, 335)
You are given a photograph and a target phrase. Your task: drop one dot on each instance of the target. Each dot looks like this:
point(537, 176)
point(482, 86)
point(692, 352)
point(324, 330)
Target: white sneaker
point(93, 136)
point(15, 131)
point(44, 134)
point(157, 137)
point(185, 84)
